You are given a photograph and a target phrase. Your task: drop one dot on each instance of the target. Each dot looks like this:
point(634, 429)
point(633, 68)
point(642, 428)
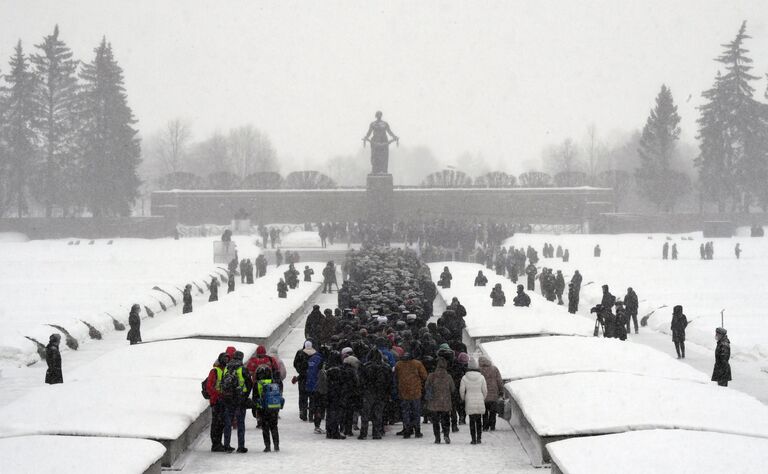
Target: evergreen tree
point(19, 113)
point(109, 144)
point(56, 96)
point(733, 164)
point(656, 179)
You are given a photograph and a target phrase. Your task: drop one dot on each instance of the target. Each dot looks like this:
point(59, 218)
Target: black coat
point(630, 303)
point(679, 323)
point(522, 299)
point(481, 280)
point(134, 334)
point(376, 380)
point(187, 301)
point(497, 297)
point(722, 370)
point(53, 359)
point(313, 328)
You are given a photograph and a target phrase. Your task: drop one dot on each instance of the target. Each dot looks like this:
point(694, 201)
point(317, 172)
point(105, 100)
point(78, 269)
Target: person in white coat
point(473, 390)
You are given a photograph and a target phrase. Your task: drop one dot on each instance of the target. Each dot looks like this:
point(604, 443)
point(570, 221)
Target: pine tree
point(733, 160)
point(56, 98)
point(20, 111)
point(657, 181)
point(109, 144)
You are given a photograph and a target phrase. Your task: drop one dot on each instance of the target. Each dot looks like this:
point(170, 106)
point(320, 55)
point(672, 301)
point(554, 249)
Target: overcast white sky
point(499, 78)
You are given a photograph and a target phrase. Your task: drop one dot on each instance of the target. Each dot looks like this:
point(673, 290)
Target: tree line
point(67, 136)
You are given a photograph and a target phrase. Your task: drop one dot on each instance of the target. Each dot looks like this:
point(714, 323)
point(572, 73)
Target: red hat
point(230, 351)
point(261, 350)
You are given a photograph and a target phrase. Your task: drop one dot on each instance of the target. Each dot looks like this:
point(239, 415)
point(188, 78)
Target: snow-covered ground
point(300, 239)
point(82, 454)
point(484, 320)
point(52, 282)
point(147, 390)
point(661, 451)
point(604, 402)
point(539, 356)
point(252, 311)
point(703, 287)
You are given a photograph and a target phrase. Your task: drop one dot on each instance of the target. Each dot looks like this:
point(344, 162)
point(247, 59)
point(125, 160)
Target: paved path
point(303, 451)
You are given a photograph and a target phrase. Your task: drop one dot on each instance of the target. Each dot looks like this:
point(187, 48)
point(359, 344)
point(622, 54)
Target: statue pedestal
point(380, 198)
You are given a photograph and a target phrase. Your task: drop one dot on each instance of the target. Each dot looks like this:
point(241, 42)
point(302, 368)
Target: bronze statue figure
point(379, 137)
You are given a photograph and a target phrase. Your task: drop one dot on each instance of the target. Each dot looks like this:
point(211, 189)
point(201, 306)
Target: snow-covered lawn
point(150, 390)
point(300, 239)
point(660, 451)
point(82, 454)
point(51, 282)
point(251, 311)
point(604, 402)
point(484, 320)
point(540, 356)
point(703, 287)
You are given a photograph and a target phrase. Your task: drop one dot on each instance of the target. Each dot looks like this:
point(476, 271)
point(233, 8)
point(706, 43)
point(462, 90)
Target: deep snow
point(81, 454)
point(50, 282)
point(605, 402)
point(661, 451)
point(540, 356)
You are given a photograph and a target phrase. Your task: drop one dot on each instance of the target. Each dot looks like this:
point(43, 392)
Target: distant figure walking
point(674, 251)
point(679, 323)
point(665, 251)
point(214, 290)
point(134, 321)
point(737, 251)
point(597, 250)
point(187, 308)
point(231, 282)
point(53, 358)
point(497, 296)
point(722, 371)
point(521, 299)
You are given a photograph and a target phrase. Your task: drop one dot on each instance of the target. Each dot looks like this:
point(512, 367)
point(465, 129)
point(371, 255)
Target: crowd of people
point(375, 361)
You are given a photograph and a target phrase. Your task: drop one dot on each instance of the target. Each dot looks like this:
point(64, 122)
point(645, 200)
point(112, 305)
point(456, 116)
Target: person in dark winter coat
point(53, 374)
point(278, 258)
point(497, 296)
point(598, 251)
point(521, 299)
point(301, 364)
point(495, 386)
point(737, 251)
point(214, 290)
point(134, 321)
point(457, 308)
point(439, 390)
point(445, 278)
point(235, 402)
point(312, 385)
point(313, 327)
point(267, 412)
point(480, 279)
point(631, 305)
point(334, 380)
point(665, 251)
point(674, 251)
point(213, 387)
point(282, 289)
point(722, 371)
point(329, 277)
point(620, 322)
point(231, 282)
point(352, 400)
point(187, 298)
point(559, 287)
point(679, 323)
point(608, 299)
point(573, 299)
point(308, 272)
point(566, 256)
point(376, 380)
point(531, 272)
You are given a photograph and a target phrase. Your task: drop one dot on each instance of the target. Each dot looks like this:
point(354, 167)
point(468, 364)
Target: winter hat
point(721, 331)
point(346, 350)
point(238, 355)
point(678, 309)
point(463, 358)
point(261, 350)
point(54, 338)
point(472, 362)
point(317, 306)
point(223, 359)
point(411, 317)
point(444, 346)
point(230, 351)
point(307, 344)
point(352, 360)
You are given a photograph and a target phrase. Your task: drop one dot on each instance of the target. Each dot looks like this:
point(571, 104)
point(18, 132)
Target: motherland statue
point(379, 135)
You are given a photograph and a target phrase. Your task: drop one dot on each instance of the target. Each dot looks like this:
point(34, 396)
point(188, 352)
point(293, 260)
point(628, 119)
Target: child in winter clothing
point(268, 402)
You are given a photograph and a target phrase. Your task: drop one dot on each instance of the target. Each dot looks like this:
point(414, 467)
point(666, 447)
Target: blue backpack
point(271, 398)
